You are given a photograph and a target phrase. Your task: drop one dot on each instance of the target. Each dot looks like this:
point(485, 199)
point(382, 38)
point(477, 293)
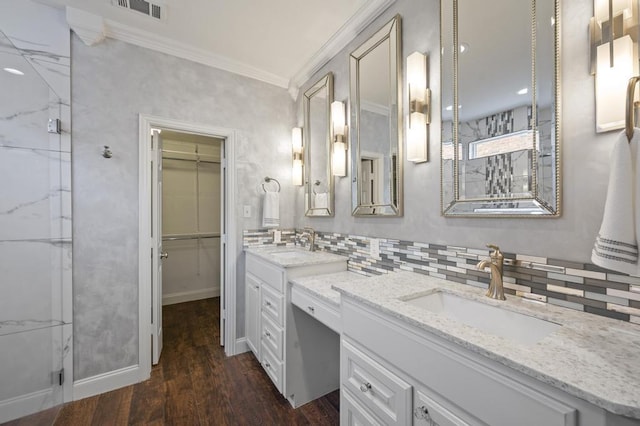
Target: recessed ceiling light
point(13, 71)
point(523, 91)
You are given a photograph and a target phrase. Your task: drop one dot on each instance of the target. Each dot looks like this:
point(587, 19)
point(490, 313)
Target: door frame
point(228, 236)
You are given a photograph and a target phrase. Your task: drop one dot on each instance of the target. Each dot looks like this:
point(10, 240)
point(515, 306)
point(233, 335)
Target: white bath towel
point(616, 245)
point(321, 200)
point(271, 209)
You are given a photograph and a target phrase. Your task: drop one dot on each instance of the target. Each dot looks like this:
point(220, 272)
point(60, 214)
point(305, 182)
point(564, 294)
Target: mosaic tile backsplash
point(579, 286)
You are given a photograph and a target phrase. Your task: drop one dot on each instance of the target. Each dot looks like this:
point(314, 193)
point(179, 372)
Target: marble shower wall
point(585, 166)
point(35, 209)
point(113, 82)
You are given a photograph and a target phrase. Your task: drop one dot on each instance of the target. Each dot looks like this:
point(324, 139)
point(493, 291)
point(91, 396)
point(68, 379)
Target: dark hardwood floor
point(194, 384)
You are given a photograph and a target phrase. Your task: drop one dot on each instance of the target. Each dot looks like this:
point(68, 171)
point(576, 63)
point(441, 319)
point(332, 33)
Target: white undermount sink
point(518, 327)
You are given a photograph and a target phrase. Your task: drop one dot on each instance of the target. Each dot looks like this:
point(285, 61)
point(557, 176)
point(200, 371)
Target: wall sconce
point(296, 147)
point(614, 58)
point(339, 158)
point(419, 108)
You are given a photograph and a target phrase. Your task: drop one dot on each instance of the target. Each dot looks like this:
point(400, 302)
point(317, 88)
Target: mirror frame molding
point(391, 31)
point(325, 82)
point(548, 210)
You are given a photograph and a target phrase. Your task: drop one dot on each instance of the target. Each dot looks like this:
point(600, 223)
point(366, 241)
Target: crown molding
point(92, 29)
point(358, 22)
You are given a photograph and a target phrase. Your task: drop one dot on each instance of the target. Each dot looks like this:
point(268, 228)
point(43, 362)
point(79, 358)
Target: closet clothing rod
point(176, 237)
point(166, 157)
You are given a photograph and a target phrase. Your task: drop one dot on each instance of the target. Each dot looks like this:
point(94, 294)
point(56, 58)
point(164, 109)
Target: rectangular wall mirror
point(375, 70)
point(319, 197)
point(500, 153)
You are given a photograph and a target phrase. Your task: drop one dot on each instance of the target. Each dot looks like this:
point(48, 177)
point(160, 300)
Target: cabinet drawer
point(272, 336)
point(272, 304)
point(318, 309)
point(354, 414)
point(427, 411)
point(268, 273)
point(378, 389)
point(272, 366)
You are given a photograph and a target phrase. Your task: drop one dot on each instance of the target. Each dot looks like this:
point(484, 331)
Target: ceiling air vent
point(154, 10)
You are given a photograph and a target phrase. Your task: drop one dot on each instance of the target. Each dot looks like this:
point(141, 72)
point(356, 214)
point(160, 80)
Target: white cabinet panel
point(321, 311)
point(272, 337)
point(377, 388)
point(252, 315)
point(354, 414)
point(272, 304)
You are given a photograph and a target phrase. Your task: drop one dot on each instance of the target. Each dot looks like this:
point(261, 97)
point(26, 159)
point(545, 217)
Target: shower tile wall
point(35, 209)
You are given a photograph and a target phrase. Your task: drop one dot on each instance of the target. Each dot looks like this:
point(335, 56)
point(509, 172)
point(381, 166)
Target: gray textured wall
point(112, 83)
point(585, 166)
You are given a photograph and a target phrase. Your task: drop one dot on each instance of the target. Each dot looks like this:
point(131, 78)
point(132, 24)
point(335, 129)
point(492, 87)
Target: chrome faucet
point(496, 288)
point(312, 237)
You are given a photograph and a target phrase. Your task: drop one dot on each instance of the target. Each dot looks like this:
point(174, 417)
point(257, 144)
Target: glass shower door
point(35, 240)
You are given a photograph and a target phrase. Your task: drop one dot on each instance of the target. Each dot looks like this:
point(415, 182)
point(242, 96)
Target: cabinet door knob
point(267, 365)
point(311, 309)
point(267, 303)
point(266, 333)
point(365, 387)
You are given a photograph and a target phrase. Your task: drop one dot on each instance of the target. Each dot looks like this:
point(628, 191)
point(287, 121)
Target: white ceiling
point(278, 39)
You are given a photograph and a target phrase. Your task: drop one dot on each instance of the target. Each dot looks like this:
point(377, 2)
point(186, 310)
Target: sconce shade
point(338, 118)
point(339, 159)
point(417, 137)
point(296, 139)
point(418, 107)
point(296, 148)
point(611, 82)
point(417, 75)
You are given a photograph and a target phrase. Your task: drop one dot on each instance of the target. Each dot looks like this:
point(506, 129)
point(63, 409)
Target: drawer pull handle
point(422, 412)
point(311, 309)
point(266, 333)
point(267, 303)
point(365, 387)
point(267, 365)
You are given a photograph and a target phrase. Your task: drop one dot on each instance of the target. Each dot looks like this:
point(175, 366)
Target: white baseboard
point(241, 346)
point(14, 408)
point(106, 382)
point(188, 296)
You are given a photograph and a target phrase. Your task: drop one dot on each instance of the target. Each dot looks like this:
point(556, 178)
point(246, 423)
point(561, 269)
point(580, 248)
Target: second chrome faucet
point(495, 263)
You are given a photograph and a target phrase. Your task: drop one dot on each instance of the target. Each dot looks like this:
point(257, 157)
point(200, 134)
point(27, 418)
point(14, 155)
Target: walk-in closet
point(191, 208)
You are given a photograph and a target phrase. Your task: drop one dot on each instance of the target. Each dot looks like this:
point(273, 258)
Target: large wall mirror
point(317, 148)
point(500, 117)
point(375, 70)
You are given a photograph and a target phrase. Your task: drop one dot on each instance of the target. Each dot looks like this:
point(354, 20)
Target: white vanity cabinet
point(298, 353)
point(395, 373)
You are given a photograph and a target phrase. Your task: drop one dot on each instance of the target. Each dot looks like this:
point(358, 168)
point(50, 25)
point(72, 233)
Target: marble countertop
point(288, 257)
point(321, 286)
point(591, 357)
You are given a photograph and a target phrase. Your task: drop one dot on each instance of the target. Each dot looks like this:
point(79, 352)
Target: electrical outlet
point(247, 211)
point(374, 248)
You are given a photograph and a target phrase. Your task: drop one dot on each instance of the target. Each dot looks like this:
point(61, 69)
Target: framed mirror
point(500, 153)
point(375, 70)
point(319, 197)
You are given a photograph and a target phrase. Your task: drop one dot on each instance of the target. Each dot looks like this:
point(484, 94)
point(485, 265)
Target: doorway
point(152, 251)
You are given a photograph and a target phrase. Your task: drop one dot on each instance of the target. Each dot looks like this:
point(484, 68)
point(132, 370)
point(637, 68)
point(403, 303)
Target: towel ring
point(631, 104)
point(269, 179)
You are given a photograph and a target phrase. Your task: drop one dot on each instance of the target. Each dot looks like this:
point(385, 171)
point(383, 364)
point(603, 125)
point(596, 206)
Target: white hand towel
point(271, 210)
point(321, 200)
point(616, 246)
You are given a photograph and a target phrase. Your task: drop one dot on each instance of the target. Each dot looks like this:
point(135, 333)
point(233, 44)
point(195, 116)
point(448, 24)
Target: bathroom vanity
point(424, 365)
point(299, 353)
